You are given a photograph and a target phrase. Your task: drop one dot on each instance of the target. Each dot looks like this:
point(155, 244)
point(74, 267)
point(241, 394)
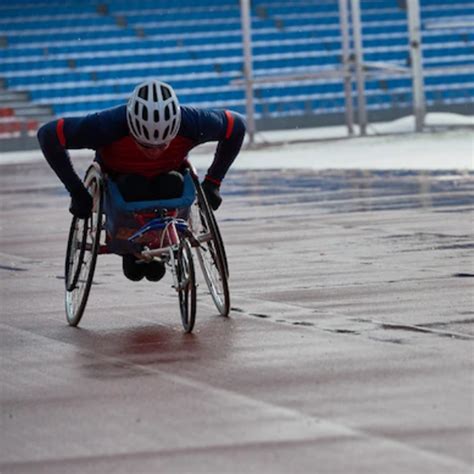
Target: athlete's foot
point(131, 269)
point(155, 271)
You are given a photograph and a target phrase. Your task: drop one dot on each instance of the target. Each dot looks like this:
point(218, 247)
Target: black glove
point(81, 203)
point(213, 196)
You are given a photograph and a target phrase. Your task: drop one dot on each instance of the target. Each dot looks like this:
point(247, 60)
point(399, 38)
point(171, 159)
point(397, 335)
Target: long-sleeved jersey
point(107, 133)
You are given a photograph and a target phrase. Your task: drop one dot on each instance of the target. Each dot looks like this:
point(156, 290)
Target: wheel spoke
point(210, 252)
point(82, 251)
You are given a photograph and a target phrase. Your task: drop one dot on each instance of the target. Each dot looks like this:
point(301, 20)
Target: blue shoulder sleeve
point(96, 130)
point(92, 131)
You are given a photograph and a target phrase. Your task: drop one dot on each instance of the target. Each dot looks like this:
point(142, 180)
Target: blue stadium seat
point(79, 57)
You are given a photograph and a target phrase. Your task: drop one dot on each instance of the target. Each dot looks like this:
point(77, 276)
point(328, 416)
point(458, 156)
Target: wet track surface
point(349, 347)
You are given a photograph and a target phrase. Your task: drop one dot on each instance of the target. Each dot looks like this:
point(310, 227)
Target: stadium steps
point(20, 119)
point(20, 102)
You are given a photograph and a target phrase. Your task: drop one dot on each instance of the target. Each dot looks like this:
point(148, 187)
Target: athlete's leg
point(133, 187)
point(164, 186)
point(167, 185)
point(138, 188)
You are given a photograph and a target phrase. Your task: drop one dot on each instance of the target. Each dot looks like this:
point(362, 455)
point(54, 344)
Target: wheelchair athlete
point(143, 146)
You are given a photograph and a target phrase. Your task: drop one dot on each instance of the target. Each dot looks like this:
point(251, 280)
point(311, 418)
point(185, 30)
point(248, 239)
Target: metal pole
point(245, 18)
point(359, 63)
point(419, 107)
point(346, 64)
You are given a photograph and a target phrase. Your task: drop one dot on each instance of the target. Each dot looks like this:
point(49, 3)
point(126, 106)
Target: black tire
point(186, 285)
point(82, 250)
point(219, 239)
point(76, 246)
point(211, 252)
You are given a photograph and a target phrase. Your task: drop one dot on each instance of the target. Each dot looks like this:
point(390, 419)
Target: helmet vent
point(137, 125)
point(155, 93)
point(156, 116)
point(165, 133)
point(174, 108)
point(155, 135)
point(136, 108)
point(167, 112)
point(145, 113)
point(165, 92)
point(143, 93)
point(145, 132)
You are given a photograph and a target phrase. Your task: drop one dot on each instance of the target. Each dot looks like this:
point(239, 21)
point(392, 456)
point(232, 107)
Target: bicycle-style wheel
point(82, 250)
point(211, 251)
point(186, 285)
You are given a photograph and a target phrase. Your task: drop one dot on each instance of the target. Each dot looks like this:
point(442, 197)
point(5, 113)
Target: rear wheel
point(210, 251)
point(186, 285)
point(82, 250)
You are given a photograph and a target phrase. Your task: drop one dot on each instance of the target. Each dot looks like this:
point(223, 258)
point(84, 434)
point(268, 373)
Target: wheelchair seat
point(123, 219)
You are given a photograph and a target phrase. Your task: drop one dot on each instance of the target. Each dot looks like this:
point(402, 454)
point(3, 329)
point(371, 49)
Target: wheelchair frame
point(178, 236)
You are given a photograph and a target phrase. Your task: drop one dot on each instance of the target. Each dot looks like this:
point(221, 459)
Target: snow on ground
point(390, 145)
point(447, 150)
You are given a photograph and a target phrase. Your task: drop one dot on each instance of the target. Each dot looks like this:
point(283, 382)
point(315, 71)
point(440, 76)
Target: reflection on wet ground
point(396, 189)
point(134, 350)
point(354, 190)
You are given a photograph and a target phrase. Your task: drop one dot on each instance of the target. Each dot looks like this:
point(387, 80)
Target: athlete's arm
point(91, 131)
point(224, 126)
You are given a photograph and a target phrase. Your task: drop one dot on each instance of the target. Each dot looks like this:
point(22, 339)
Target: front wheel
point(210, 251)
point(186, 285)
point(82, 250)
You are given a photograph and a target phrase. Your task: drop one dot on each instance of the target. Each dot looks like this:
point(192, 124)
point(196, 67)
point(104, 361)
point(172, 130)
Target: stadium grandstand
point(76, 57)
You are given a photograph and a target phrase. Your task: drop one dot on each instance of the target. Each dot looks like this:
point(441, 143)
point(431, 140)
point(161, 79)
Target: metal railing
point(353, 67)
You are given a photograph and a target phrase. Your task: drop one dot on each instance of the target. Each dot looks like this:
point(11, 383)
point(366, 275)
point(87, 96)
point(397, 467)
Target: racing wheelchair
point(167, 230)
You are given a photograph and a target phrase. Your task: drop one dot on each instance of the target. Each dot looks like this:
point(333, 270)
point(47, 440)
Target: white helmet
point(153, 113)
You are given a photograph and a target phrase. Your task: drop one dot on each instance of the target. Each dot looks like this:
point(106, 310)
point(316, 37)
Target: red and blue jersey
point(107, 133)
